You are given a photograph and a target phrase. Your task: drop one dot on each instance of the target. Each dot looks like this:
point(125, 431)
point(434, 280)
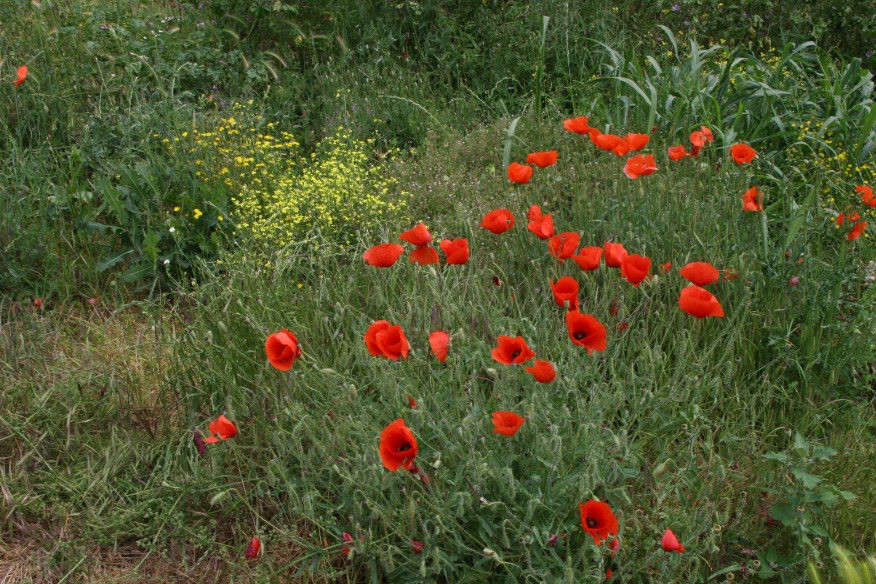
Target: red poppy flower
point(563, 245)
point(417, 235)
point(348, 539)
point(282, 349)
point(542, 159)
point(398, 447)
point(519, 173)
point(608, 574)
point(699, 302)
point(614, 546)
point(507, 423)
point(383, 255)
point(386, 340)
point(586, 330)
point(566, 292)
point(512, 350)
point(670, 543)
point(635, 268)
point(701, 137)
point(700, 273)
point(752, 200)
point(598, 520)
point(543, 226)
point(221, 429)
point(867, 194)
point(666, 267)
point(417, 546)
point(742, 153)
point(498, 221)
point(439, 342)
point(578, 125)
point(534, 213)
point(640, 165)
point(637, 141)
point(606, 141)
point(412, 403)
point(851, 217)
point(20, 75)
point(543, 371)
point(588, 257)
point(677, 152)
point(252, 550)
point(424, 255)
point(622, 148)
point(614, 254)
point(856, 231)
point(38, 302)
point(455, 250)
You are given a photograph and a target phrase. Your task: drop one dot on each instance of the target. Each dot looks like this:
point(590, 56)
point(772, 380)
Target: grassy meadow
point(183, 180)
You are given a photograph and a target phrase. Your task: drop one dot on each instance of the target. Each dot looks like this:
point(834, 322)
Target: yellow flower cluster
point(335, 190)
point(279, 195)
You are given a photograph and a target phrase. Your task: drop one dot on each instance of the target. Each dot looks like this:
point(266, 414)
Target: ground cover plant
point(607, 318)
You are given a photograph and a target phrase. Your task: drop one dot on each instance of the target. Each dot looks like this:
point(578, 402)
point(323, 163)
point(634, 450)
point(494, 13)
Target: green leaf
point(822, 452)
point(810, 481)
point(777, 456)
point(801, 444)
point(109, 262)
point(784, 513)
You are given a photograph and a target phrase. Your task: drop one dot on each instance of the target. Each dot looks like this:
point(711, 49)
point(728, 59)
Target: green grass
point(751, 434)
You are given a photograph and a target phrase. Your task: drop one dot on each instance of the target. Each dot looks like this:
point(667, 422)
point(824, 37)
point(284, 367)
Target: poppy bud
point(252, 550)
point(38, 303)
point(552, 540)
point(199, 442)
point(492, 373)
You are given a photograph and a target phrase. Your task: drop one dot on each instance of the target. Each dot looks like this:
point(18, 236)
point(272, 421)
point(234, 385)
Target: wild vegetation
point(204, 365)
